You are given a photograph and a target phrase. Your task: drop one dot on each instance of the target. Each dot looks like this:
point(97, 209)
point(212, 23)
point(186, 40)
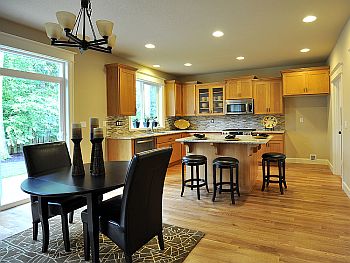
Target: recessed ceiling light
point(240, 58)
point(304, 50)
point(309, 19)
point(218, 34)
point(188, 64)
point(156, 66)
point(150, 46)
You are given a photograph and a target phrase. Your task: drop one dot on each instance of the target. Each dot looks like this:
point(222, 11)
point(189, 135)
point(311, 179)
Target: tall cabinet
point(210, 98)
point(173, 95)
point(189, 98)
point(121, 90)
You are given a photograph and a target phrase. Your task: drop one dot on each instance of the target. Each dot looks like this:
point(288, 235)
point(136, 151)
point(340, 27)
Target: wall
point(89, 94)
point(341, 54)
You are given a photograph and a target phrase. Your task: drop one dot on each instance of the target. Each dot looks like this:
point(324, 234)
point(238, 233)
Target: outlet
point(83, 124)
point(212, 120)
point(313, 157)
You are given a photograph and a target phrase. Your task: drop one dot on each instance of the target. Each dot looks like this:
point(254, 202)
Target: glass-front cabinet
point(210, 99)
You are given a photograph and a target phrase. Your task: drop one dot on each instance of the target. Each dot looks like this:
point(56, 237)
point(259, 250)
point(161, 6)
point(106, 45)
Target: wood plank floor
point(309, 223)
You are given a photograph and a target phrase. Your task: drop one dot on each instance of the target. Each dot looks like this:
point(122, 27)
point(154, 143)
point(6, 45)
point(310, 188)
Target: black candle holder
point(92, 152)
point(98, 167)
point(78, 166)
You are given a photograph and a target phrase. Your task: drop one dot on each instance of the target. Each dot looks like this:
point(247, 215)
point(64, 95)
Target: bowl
point(199, 135)
point(230, 136)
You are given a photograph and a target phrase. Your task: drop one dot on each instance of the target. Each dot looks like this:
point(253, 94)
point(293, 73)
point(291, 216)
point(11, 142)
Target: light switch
point(83, 124)
point(301, 119)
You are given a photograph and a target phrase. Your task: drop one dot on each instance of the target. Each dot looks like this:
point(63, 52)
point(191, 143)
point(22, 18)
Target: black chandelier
point(75, 30)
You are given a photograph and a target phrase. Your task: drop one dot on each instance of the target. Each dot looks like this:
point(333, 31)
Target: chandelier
point(75, 30)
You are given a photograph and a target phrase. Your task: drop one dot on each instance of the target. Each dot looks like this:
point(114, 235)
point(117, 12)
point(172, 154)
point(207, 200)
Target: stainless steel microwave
point(245, 106)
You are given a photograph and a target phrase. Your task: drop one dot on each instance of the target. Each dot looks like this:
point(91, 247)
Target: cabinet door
point(275, 98)
point(127, 92)
point(188, 99)
point(178, 99)
point(294, 83)
point(217, 100)
point(318, 82)
point(261, 92)
point(203, 101)
point(238, 89)
point(177, 152)
point(276, 146)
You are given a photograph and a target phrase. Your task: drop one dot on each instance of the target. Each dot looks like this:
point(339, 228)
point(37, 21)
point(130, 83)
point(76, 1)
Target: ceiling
point(267, 33)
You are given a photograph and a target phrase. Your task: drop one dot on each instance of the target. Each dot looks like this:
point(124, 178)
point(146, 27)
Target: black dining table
point(60, 183)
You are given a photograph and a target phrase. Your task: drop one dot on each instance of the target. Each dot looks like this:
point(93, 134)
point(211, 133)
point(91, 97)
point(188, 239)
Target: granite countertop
point(138, 134)
point(242, 139)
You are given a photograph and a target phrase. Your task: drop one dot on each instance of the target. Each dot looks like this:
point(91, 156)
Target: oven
point(245, 106)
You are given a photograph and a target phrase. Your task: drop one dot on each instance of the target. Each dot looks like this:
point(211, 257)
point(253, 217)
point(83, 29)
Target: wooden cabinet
point(189, 98)
point(119, 150)
point(239, 88)
point(169, 141)
point(306, 81)
point(268, 96)
point(121, 90)
point(276, 144)
point(173, 98)
point(210, 99)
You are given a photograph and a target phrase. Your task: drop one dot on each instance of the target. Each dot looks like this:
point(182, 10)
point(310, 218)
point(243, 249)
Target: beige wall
point(89, 91)
point(341, 54)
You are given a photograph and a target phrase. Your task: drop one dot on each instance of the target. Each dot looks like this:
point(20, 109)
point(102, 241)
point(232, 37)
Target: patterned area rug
point(21, 248)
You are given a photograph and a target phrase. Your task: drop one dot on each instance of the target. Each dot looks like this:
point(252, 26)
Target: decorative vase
point(146, 124)
point(78, 166)
point(98, 167)
point(136, 124)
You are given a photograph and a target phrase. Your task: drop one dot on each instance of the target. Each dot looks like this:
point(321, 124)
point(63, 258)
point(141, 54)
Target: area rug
point(21, 248)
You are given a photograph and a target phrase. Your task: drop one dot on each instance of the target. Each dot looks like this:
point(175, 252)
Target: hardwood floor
point(309, 223)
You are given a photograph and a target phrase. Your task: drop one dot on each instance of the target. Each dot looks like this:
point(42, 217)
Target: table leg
point(43, 215)
point(93, 225)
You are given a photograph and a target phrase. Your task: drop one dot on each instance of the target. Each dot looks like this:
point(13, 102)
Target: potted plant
point(136, 123)
point(154, 122)
point(146, 122)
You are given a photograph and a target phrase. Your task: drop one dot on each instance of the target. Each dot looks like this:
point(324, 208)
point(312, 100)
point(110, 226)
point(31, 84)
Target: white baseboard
point(308, 161)
point(346, 189)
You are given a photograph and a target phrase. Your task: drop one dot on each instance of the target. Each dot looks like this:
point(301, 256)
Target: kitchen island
point(244, 148)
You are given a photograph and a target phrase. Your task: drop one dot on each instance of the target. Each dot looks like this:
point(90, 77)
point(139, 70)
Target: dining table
point(61, 183)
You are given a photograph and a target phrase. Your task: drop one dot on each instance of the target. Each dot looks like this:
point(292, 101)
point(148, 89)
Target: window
point(149, 109)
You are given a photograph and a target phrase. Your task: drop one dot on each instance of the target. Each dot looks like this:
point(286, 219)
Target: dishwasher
point(144, 144)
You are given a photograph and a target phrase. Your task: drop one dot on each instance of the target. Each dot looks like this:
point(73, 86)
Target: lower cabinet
point(276, 144)
point(119, 150)
point(169, 141)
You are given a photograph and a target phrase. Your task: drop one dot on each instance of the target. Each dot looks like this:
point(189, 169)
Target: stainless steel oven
point(245, 106)
point(144, 144)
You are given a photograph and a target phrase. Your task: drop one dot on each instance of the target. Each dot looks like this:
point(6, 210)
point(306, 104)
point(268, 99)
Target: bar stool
point(194, 161)
point(274, 157)
point(226, 163)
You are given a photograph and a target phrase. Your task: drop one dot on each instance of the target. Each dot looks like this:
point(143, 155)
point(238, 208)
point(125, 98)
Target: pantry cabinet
point(268, 96)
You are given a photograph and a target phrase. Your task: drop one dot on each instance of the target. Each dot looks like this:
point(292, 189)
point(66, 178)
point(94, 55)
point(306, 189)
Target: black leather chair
point(133, 219)
point(41, 158)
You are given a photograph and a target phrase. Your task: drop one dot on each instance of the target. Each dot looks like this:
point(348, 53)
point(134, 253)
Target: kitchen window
point(149, 104)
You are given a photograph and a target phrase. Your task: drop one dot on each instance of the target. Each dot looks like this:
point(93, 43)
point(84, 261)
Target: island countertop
point(240, 139)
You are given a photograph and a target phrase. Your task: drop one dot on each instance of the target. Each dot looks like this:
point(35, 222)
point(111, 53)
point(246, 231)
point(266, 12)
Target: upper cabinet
point(173, 97)
point(121, 90)
point(210, 98)
point(189, 98)
point(268, 96)
point(306, 81)
point(239, 88)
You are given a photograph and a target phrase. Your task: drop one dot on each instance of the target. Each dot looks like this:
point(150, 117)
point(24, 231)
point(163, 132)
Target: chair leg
point(231, 186)
point(220, 188)
point(268, 173)
point(161, 241)
point(237, 182)
point(35, 231)
point(264, 175)
point(197, 175)
point(280, 176)
point(191, 177)
point(206, 177)
point(128, 258)
point(284, 174)
point(86, 242)
point(71, 215)
point(183, 178)
point(65, 231)
point(214, 182)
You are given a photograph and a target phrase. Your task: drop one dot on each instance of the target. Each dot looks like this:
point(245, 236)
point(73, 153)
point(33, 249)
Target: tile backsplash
point(199, 123)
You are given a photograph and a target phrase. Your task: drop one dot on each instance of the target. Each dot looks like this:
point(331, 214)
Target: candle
point(76, 131)
point(94, 123)
point(98, 133)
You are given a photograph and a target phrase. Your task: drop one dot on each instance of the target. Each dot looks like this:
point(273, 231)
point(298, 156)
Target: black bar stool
point(274, 157)
point(194, 161)
point(226, 163)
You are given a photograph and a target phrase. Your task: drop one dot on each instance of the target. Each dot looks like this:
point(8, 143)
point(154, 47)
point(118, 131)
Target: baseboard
point(330, 166)
point(308, 161)
point(346, 189)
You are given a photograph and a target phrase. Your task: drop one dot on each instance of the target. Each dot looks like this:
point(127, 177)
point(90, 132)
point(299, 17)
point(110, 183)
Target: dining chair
point(40, 159)
point(133, 219)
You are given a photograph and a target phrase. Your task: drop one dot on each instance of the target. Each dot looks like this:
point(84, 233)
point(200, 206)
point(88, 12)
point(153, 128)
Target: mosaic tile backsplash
point(199, 123)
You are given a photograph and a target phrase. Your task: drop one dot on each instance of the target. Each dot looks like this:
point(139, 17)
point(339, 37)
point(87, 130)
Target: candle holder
point(78, 166)
point(98, 167)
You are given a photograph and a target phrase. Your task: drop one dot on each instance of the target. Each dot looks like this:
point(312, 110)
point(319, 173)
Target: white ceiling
point(267, 33)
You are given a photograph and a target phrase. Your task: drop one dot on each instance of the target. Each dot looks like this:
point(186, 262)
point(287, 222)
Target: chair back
point(41, 158)
point(141, 209)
